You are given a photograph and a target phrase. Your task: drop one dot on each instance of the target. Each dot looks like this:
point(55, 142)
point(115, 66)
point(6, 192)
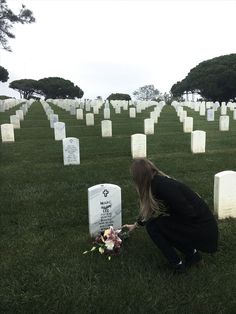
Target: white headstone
point(117, 109)
point(15, 121)
point(72, 110)
point(79, 114)
point(53, 119)
point(198, 142)
point(106, 113)
point(210, 115)
point(225, 194)
point(104, 205)
point(202, 110)
point(139, 146)
point(89, 119)
point(7, 132)
point(223, 110)
point(20, 114)
point(224, 123)
point(148, 126)
point(59, 131)
point(188, 125)
point(154, 115)
point(71, 151)
point(132, 112)
point(106, 128)
point(87, 107)
point(182, 115)
point(234, 115)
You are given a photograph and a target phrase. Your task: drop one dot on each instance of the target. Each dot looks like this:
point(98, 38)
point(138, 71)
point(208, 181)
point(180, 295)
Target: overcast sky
point(114, 46)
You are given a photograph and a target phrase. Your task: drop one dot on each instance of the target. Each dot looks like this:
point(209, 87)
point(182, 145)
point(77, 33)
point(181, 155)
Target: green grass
point(44, 219)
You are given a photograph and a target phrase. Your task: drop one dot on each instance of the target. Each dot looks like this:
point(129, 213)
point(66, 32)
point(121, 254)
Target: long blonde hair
point(143, 171)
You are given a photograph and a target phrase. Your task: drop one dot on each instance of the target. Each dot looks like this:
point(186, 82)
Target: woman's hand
point(130, 227)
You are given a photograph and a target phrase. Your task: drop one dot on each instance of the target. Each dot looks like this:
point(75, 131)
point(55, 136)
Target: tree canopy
point(50, 87)
point(119, 96)
point(26, 87)
point(213, 79)
point(4, 75)
point(8, 19)
point(146, 92)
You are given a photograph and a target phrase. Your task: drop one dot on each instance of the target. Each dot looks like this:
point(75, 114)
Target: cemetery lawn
point(44, 219)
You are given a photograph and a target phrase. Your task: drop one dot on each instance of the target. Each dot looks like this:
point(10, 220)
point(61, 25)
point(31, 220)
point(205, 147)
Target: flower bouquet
point(108, 242)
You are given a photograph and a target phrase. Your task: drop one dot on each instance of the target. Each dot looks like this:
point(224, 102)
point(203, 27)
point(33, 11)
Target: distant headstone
point(224, 123)
point(20, 114)
point(15, 121)
point(95, 110)
point(148, 126)
point(223, 110)
point(106, 126)
point(72, 110)
point(117, 109)
point(225, 194)
point(79, 114)
point(89, 119)
point(182, 115)
point(154, 115)
point(132, 112)
point(188, 125)
point(198, 142)
point(87, 107)
point(53, 119)
point(139, 146)
point(59, 131)
point(210, 115)
point(104, 205)
point(7, 132)
point(202, 110)
point(234, 115)
point(106, 113)
point(71, 151)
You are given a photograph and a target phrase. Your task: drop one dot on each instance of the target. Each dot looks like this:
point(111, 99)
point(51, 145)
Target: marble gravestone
point(234, 114)
point(7, 132)
point(20, 114)
point(154, 116)
point(15, 121)
point(210, 115)
point(59, 131)
point(104, 206)
point(53, 119)
point(224, 123)
point(225, 194)
point(89, 119)
point(132, 112)
point(106, 126)
point(188, 125)
point(71, 151)
point(106, 113)
point(79, 114)
point(148, 126)
point(138, 145)
point(198, 142)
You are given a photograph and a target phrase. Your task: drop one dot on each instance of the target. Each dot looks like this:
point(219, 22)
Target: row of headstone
point(105, 205)
point(7, 129)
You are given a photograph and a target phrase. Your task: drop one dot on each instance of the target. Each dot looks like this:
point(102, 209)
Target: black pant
point(169, 235)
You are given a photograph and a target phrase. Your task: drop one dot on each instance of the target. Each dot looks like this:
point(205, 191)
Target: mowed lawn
point(44, 219)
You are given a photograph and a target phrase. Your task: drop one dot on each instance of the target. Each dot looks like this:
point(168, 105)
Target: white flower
point(101, 250)
point(109, 245)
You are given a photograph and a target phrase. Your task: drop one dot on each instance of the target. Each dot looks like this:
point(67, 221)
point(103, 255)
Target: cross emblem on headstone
point(105, 192)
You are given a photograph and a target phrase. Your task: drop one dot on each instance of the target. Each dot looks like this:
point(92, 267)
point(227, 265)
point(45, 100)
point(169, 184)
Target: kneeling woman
point(175, 217)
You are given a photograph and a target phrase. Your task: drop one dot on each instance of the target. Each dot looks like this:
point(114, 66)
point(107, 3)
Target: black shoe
point(179, 268)
point(194, 259)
